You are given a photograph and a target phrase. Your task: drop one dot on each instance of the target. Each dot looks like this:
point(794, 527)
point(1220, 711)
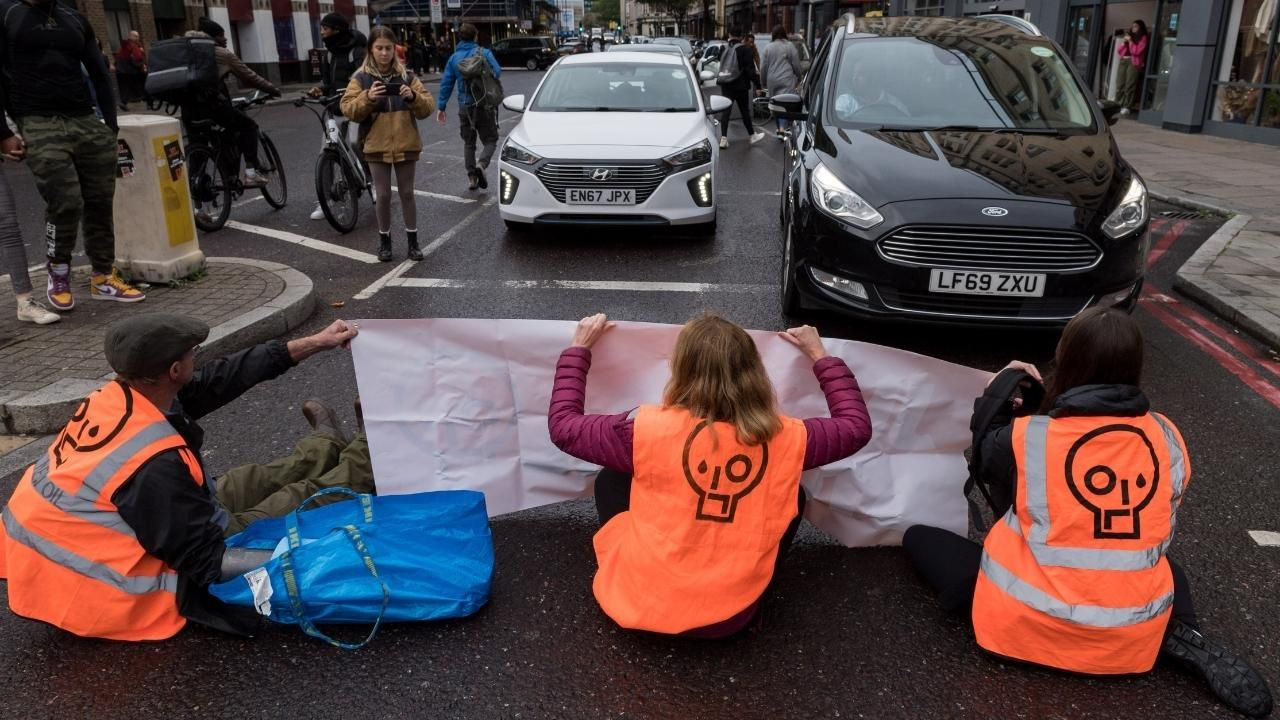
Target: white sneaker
point(251, 179)
point(724, 143)
point(1124, 111)
point(33, 312)
point(757, 138)
point(318, 213)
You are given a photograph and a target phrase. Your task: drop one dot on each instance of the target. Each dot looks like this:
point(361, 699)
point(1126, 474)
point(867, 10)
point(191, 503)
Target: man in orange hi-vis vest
point(1073, 575)
point(116, 531)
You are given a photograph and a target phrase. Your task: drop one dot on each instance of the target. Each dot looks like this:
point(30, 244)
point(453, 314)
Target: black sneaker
point(1233, 680)
point(484, 184)
point(475, 179)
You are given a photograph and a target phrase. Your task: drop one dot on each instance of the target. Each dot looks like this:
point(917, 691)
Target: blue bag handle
point(295, 596)
point(291, 520)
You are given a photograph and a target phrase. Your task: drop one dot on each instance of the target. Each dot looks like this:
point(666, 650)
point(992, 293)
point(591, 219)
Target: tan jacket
point(392, 134)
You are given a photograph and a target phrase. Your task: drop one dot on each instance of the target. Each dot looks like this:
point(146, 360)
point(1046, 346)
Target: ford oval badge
point(994, 211)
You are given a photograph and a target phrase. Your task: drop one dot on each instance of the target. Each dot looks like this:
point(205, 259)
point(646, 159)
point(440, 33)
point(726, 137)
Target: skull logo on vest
point(84, 435)
point(721, 473)
point(1116, 495)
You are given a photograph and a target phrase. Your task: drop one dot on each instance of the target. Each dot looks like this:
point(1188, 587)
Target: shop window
point(927, 7)
point(118, 27)
point(1271, 110)
point(1249, 80)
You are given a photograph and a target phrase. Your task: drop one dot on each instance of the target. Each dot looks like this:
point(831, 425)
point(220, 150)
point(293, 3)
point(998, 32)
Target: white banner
point(462, 403)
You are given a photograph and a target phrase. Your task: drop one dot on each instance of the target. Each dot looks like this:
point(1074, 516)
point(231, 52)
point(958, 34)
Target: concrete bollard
point(155, 226)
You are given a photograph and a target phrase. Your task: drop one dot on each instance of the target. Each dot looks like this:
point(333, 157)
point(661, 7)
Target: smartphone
point(393, 87)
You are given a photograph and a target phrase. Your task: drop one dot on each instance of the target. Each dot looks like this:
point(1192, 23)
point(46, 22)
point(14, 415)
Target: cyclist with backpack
point(345, 50)
point(474, 71)
point(387, 100)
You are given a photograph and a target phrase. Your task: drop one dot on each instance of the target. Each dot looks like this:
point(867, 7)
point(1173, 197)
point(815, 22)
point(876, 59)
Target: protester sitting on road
point(13, 252)
point(219, 108)
point(117, 531)
point(344, 55)
point(392, 100)
point(1074, 576)
point(699, 497)
point(474, 119)
point(46, 47)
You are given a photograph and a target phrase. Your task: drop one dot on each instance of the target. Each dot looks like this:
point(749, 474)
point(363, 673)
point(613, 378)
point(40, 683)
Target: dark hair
point(779, 33)
point(1142, 28)
point(468, 32)
point(735, 32)
point(209, 27)
point(1100, 346)
point(336, 21)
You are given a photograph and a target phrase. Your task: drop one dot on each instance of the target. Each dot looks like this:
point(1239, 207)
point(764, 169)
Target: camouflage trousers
point(73, 160)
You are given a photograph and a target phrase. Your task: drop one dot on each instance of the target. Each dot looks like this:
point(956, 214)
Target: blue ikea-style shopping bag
point(393, 558)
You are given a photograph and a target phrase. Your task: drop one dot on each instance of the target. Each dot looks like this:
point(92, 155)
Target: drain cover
point(1180, 214)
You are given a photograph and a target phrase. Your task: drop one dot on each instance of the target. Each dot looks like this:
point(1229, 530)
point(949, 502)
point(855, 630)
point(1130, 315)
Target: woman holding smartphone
point(387, 100)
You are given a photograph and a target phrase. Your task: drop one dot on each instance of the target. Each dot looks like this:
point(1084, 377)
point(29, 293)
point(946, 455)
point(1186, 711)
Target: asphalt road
point(846, 632)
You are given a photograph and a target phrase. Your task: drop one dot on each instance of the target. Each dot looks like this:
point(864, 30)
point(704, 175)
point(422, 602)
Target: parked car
point(572, 48)
point(612, 138)
point(685, 46)
point(955, 171)
point(650, 48)
point(529, 52)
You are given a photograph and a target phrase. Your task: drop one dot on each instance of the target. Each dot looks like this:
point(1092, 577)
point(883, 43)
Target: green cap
point(145, 345)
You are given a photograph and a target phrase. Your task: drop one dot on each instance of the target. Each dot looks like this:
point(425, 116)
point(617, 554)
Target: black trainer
point(484, 184)
point(1232, 679)
point(475, 179)
point(415, 252)
point(384, 247)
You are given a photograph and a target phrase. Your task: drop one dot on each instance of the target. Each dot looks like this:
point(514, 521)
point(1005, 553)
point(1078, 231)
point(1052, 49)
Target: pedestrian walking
point(475, 118)
point(345, 50)
point(1133, 58)
point(1087, 481)
point(13, 252)
point(45, 49)
point(697, 563)
point(131, 68)
point(737, 78)
point(387, 100)
point(780, 70)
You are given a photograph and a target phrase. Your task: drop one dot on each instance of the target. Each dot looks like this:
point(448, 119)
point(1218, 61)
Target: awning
point(281, 9)
point(240, 10)
point(346, 8)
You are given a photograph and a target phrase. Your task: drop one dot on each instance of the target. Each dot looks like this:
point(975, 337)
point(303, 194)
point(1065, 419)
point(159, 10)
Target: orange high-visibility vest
point(71, 560)
point(1075, 577)
point(707, 515)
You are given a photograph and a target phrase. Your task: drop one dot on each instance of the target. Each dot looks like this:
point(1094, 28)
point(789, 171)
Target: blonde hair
point(370, 66)
point(717, 375)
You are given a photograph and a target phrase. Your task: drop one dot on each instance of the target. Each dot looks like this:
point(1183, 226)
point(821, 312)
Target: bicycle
point(341, 177)
point(213, 168)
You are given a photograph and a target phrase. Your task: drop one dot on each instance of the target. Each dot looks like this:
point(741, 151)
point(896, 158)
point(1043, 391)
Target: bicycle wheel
point(337, 192)
point(210, 192)
point(276, 191)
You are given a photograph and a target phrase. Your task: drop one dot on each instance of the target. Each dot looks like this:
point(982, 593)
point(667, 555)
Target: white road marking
point(393, 277)
point(438, 196)
point(1265, 538)
point(305, 242)
point(246, 201)
point(602, 285)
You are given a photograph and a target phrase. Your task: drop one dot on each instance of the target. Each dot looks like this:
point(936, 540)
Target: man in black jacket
point(177, 520)
point(738, 89)
point(344, 54)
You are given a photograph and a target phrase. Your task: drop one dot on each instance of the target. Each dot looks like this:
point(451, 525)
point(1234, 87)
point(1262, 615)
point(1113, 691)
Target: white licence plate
point(605, 196)
point(976, 282)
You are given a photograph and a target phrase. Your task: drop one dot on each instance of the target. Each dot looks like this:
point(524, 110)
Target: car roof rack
point(1022, 24)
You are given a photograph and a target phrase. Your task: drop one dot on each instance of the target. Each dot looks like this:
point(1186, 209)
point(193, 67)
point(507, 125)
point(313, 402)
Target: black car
point(530, 52)
point(954, 170)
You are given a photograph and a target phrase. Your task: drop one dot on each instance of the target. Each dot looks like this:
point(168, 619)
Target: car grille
point(644, 179)
point(982, 306)
point(991, 248)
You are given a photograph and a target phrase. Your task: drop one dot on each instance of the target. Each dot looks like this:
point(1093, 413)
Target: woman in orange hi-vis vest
point(700, 496)
point(1073, 575)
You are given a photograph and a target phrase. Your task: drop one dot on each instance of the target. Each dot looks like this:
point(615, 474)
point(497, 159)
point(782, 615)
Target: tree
point(678, 9)
point(603, 12)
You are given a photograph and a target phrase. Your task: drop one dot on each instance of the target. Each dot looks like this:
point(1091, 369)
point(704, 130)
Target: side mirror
point(514, 103)
point(706, 76)
point(788, 106)
point(1110, 110)
point(717, 104)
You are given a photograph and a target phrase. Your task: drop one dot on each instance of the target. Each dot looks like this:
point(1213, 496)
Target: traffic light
point(579, 28)
point(586, 5)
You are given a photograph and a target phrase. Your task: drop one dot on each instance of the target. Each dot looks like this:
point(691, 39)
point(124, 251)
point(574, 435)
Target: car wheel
point(530, 64)
point(790, 296)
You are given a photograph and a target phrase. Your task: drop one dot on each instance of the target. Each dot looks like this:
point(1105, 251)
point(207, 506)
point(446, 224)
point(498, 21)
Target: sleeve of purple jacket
point(849, 427)
point(601, 439)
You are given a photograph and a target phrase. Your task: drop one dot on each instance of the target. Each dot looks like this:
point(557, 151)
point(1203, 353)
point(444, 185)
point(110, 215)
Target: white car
point(613, 138)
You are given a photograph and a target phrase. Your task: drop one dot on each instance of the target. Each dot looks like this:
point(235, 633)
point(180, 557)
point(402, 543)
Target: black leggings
point(949, 563)
point(742, 97)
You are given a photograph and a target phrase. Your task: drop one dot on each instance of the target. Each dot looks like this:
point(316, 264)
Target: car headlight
point(512, 152)
point(699, 154)
point(837, 200)
point(1130, 214)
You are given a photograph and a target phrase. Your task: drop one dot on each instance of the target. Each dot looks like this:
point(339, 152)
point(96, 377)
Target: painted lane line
point(246, 201)
point(1223, 334)
point(391, 278)
point(599, 285)
point(305, 242)
point(1265, 538)
point(381, 282)
point(438, 196)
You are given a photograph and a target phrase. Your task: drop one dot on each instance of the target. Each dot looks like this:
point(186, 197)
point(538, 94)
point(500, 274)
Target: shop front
point(1245, 99)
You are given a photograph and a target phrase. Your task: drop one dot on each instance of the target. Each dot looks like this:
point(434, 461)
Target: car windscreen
point(617, 87)
point(958, 82)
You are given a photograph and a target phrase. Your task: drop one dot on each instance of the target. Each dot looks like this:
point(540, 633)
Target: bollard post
point(155, 225)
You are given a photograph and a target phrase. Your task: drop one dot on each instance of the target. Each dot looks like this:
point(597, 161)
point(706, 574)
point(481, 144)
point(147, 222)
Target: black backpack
point(183, 70)
point(1004, 385)
point(483, 86)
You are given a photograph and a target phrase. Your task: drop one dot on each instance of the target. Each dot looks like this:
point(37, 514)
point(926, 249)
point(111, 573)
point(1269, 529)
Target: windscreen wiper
point(968, 128)
point(672, 109)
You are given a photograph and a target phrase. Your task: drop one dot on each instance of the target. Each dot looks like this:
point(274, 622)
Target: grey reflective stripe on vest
point(1036, 474)
point(133, 585)
point(1177, 472)
point(1092, 615)
point(76, 505)
point(111, 464)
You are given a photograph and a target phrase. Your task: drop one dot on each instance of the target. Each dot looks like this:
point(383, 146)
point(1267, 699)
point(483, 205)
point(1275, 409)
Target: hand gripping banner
point(455, 404)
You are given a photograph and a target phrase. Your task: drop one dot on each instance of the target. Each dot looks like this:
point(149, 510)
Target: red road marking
point(1167, 239)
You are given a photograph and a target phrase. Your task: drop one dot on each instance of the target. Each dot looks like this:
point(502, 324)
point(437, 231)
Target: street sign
point(453, 4)
point(437, 14)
